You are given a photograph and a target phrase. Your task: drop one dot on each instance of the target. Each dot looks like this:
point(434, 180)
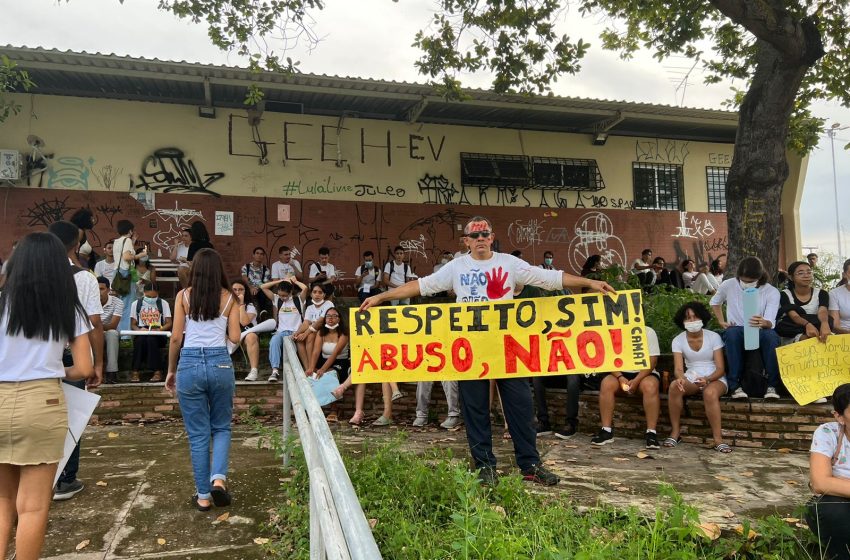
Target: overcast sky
point(372, 38)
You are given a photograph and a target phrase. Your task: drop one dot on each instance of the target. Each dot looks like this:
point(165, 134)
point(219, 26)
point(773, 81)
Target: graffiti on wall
point(69, 173)
point(525, 233)
point(594, 234)
point(176, 219)
point(168, 170)
point(46, 212)
point(693, 227)
point(661, 151)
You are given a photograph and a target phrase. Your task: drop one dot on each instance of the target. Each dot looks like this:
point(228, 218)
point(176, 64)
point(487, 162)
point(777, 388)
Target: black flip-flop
point(198, 506)
point(220, 496)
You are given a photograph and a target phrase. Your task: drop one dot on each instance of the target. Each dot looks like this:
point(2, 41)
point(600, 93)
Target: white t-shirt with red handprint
point(491, 279)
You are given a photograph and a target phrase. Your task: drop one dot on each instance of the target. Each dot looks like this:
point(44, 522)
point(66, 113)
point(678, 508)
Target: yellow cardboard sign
point(811, 370)
point(495, 339)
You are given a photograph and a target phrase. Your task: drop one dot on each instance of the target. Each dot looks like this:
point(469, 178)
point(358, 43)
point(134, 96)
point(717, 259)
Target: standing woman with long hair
point(39, 314)
point(206, 314)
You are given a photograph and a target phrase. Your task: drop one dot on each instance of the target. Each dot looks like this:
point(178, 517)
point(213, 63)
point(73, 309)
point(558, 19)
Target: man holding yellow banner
point(480, 276)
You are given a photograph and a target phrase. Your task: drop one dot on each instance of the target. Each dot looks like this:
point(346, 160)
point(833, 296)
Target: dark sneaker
point(488, 476)
point(652, 441)
point(540, 475)
point(566, 433)
point(544, 430)
point(602, 437)
point(67, 490)
point(274, 377)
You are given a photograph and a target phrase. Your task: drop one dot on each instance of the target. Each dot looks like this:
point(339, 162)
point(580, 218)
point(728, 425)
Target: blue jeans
point(519, 413)
point(205, 387)
point(276, 348)
point(733, 338)
point(124, 323)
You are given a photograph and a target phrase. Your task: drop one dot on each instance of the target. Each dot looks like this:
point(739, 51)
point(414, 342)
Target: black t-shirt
point(196, 246)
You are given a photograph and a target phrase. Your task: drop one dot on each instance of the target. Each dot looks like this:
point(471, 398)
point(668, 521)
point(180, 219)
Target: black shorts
point(342, 367)
point(631, 376)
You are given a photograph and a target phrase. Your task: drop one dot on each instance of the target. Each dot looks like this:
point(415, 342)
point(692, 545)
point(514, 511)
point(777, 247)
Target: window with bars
point(494, 170)
point(567, 173)
point(716, 180)
point(658, 186)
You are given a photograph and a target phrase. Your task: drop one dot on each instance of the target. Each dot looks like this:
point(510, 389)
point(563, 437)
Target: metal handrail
point(338, 527)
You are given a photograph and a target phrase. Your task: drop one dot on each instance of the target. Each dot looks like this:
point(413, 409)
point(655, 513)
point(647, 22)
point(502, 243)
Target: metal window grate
point(658, 186)
point(716, 178)
point(494, 170)
point(567, 173)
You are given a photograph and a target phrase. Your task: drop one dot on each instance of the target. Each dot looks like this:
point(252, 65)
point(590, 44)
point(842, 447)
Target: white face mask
point(331, 327)
point(444, 261)
point(318, 301)
point(745, 285)
point(693, 326)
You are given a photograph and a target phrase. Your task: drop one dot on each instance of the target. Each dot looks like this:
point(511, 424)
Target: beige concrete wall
point(91, 136)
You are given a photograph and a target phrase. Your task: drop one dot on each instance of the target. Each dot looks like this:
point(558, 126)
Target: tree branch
point(768, 21)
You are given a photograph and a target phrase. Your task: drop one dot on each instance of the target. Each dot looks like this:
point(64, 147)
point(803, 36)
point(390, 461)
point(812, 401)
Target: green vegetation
point(433, 507)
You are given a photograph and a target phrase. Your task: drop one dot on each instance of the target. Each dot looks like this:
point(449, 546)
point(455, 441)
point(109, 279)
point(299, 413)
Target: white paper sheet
point(81, 405)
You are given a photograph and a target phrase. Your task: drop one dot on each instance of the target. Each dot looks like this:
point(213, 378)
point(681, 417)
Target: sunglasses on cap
point(477, 234)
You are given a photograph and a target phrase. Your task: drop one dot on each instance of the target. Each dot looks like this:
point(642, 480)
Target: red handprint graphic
point(496, 280)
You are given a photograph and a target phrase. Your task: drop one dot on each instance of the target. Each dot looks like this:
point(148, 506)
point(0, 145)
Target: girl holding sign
point(39, 314)
point(828, 513)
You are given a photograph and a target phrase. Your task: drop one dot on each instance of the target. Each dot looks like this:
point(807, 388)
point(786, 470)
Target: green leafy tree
point(12, 79)
point(787, 52)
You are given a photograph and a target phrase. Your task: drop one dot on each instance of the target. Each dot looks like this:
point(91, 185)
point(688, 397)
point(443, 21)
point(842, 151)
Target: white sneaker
point(450, 422)
point(252, 375)
point(771, 393)
point(740, 394)
point(420, 422)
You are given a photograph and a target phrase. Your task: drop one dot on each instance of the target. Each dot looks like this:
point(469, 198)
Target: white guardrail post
point(338, 527)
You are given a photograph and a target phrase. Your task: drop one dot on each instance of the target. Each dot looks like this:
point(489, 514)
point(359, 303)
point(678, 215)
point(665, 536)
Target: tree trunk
point(759, 166)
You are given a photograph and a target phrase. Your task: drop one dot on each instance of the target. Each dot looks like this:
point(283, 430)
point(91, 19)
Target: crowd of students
point(213, 316)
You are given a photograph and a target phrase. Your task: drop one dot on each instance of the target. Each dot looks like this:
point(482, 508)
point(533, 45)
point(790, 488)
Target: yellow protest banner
point(504, 338)
point(811, 370)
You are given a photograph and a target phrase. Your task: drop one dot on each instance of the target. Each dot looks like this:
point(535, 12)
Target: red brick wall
point(349, 228)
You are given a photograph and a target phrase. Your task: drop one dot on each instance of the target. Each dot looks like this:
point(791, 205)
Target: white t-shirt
point(731, 293)
point(28, 359)
point(288, 316)
point(369, 280)
point(705, 283)
point(105, 269)
point(250, 309)
point(839, 300)
point(698, 363)
point(491, 279)
point(639, 262)
point(314, 312)
point(282, 270)
point(652, 342)
point(114, 307)
point(399, 273)
point(119, 247)
point(689, 278)
point(149, 313)
point(182, 251)
point(328, 268)
point(88, 290)
point(825, 440)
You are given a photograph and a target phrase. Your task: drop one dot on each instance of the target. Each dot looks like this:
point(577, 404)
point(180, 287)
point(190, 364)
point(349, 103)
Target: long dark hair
point(248, 299)
point(751, 267)
point(342, 329)
point(40, 296)
point(592, 261)
point(207, 280)
point(198, 231)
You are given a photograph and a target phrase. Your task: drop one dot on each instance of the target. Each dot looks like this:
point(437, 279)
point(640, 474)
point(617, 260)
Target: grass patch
point(432, 507)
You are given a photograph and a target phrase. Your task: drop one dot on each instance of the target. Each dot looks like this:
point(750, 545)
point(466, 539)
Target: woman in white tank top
point(205, 316)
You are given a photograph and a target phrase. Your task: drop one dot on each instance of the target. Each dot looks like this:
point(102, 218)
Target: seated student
point(288, 308)
point(839, 303)
point(698, 368)
point(254, 274)
point(330, 351)
point(151, 313)
point(706, 282)
point(366, 277)
point(689, 273)
point(750, 274)
point(663, 275)
point(113, 308)
point(646, 382)
point(322, 271)
point(803, 309)
point(247, 319)
point(828, 514)
point(314, 318)
point(643, 269)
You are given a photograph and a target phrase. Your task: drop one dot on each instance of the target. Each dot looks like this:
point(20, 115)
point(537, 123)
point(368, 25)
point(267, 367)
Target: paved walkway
point(136, 503)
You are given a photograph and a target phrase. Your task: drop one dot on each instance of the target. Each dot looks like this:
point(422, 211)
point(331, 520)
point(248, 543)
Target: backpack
point(296, 300)
point(406, 269)
point(139, 308)
point(263, 271)
point(753, 376)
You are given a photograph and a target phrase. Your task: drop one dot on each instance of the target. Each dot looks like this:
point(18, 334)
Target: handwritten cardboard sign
point(811, 370)
point(495, 339)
